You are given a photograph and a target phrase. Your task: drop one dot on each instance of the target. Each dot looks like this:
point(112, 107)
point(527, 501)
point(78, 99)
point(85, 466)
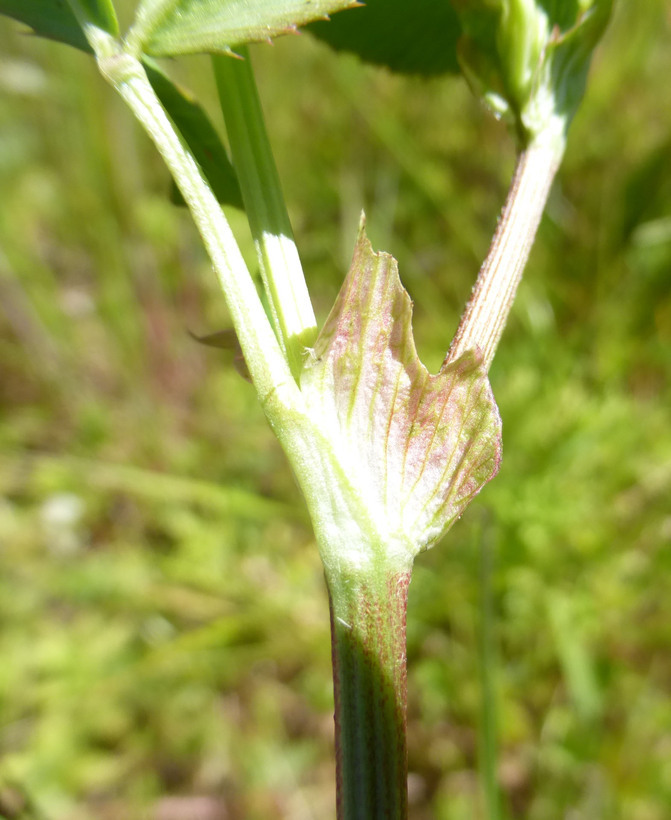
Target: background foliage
point(163, 619)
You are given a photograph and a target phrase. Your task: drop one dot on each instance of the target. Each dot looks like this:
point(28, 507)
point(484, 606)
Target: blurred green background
point(164, 647)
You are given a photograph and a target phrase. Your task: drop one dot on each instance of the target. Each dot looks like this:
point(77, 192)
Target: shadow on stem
point(368, 639)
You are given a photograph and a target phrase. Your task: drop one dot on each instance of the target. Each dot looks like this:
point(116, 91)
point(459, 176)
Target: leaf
point(171, 27)
point(418, 446)
point(226, 340)
point(52, 19)
point(410, 38)
point(528, 59)
point(199, 134)
point(571, 52)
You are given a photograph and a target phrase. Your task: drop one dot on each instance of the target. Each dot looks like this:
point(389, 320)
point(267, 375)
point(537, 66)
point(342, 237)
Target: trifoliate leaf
point(171, 27)
point(416, 446)
point(409, 38)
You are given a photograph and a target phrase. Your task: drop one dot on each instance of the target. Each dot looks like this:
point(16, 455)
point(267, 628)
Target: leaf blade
point(52, 19)
point(199, 134)
point(384, 32)
point(172, 27)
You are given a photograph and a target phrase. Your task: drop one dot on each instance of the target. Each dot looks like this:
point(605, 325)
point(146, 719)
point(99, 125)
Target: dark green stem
point(368, 617)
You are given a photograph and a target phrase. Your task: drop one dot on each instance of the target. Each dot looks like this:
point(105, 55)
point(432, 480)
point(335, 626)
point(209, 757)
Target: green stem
point(368, 617)
point(281, 270)
point(265, 359)
point(487, 311)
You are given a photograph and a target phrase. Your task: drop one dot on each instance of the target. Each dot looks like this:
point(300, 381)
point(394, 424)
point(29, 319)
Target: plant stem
point(487, 311)
point(265, 359)
point(368, 617)
point(281, 270)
